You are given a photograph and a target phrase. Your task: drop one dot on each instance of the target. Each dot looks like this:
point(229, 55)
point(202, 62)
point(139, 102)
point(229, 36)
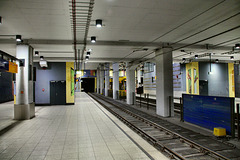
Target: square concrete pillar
point(24, 108)
point(115, 80)
point(164, 82)
point(98, 80)
point(130, 84)
point(107, 79)
point(101, 78)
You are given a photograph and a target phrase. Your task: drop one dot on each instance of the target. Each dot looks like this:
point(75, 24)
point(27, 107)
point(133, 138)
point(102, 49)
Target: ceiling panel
point(129, 20)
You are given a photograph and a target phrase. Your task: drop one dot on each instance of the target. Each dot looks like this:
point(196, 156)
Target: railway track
point(167, 137)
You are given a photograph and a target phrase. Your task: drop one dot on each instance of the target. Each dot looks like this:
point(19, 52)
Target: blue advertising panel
point(208, 111)
point(4, 65)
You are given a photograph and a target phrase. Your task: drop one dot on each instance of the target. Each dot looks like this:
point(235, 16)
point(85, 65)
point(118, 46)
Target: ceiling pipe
point(74, 29)
point(89, 16)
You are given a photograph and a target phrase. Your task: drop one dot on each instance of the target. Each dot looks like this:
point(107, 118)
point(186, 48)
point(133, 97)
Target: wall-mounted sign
point(13, 67)
point(4, 65)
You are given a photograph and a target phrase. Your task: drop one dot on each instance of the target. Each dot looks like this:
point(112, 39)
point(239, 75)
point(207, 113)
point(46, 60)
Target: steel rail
point(142, 133)
point(193, 144)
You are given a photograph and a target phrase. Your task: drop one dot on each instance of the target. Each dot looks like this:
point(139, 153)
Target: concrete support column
point(107, 78)
point(115, 80)
point(130, 84)
point(98, 80)
point(164, 82)
point(101, 78)
point(24, 108)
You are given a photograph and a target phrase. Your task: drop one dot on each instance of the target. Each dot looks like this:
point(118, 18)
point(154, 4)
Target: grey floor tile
point(81, 131)
point(34, 157)
point(53, 157)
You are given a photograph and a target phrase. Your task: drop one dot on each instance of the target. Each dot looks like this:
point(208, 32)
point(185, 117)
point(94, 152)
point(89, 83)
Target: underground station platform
point(98, 127)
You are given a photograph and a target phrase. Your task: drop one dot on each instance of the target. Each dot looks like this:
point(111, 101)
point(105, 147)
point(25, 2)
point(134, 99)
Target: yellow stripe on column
point(69, 95)
point(231, 80)
point(192, 78)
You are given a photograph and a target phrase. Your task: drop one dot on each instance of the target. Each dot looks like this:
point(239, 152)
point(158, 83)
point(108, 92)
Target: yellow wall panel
point(69, 94)
point(192, 78)
point(231, 80)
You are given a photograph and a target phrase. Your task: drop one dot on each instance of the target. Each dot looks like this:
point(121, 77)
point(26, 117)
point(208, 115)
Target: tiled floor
point(83, 131)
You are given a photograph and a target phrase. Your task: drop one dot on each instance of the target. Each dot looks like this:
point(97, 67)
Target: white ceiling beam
point(108, 43)
point(91, 60)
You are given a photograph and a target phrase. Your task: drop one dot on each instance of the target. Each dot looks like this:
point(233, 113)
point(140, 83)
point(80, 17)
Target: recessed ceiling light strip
point(206, 28)
point(198, 15)
point(87, 27)
point(73, 13)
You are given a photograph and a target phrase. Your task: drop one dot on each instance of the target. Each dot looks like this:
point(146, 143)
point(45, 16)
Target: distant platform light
point(36, 53)
point(88, 54)
point(216, 60)
point(232, 58)
point(237, 46)
point(87, 58)
point(196, 56)
point(18, 38)
point(99, 23)
point(93, 39)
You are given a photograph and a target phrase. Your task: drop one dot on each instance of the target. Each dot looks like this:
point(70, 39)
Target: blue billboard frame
point(209, 111)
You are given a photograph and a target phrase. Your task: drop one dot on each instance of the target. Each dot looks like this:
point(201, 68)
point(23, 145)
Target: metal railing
point(121, 94)
point(180, 104)
point(110, 93)
point(145, 98)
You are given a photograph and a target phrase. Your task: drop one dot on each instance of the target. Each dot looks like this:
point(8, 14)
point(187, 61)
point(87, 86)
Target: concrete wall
point(6, 92)
point(218, 80)
point(54, 72)
point(149, 82)
point(177, 77)
point(183, 77)
point(237, 80)
point(182, 80)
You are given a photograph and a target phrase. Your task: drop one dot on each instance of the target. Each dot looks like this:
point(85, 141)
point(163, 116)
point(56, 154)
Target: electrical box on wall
point(22, 63)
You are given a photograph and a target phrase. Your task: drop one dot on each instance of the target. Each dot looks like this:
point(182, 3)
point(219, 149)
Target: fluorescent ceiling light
point(237, 46)
point(36, 53)
point(18, 38)
point(93, 39)
point(88, 54)
point(99, 23)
